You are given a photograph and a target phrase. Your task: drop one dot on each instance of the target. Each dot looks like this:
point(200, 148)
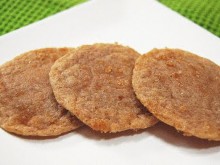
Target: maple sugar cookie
point(94, 84)
point(181, 89)
point(27, 103)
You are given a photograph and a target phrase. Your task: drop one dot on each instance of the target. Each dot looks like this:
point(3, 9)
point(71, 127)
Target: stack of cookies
point(110, 88)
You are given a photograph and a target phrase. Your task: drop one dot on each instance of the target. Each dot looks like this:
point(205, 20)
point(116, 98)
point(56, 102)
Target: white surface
point(141, 24)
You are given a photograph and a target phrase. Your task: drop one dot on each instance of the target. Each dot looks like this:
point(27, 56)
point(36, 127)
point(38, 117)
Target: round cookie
point(27, 104)
point(94, 83)
point(180, 89)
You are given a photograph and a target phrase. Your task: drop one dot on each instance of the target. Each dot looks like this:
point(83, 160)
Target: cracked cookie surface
point(27, 104)
point(94, 83)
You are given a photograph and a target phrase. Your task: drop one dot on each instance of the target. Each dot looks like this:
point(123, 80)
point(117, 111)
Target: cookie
point(94, 84)
point(181, 89)
point(27, 104)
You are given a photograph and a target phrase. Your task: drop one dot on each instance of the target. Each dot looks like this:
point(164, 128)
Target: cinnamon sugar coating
point(181, 89)
point(94, 83)
point(27, 104)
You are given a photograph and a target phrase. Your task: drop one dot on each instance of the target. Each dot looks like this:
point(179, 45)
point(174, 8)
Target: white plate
point(141, 24)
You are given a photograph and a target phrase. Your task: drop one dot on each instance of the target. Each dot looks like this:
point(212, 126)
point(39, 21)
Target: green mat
point(18, 13)
point(206, 13)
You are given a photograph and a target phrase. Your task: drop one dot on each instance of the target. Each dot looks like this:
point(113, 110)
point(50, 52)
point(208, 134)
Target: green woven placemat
point(18, 13)
point(206, 13)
